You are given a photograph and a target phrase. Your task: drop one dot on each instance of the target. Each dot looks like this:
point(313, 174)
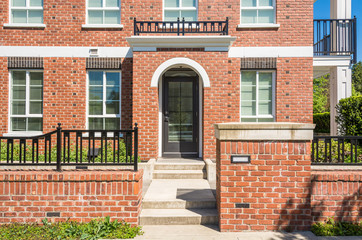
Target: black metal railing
point(335, 37)
point(79, 148)
point(182, 27)
point(337, 150)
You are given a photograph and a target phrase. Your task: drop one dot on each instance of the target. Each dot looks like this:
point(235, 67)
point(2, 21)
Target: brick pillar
point(272, 191)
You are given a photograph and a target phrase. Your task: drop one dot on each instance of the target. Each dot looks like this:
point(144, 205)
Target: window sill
point(242, 26)
point(22, 134)
point(24, 25)
point(95, 26)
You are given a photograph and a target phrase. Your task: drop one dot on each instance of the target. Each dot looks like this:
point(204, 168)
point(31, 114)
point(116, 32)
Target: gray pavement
point(200, 232)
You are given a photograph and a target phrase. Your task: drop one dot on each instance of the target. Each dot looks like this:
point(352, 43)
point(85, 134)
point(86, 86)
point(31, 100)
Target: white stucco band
point(176, 62)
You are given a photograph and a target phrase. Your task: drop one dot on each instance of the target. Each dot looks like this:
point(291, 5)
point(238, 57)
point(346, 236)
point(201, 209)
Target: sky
point(322, 11)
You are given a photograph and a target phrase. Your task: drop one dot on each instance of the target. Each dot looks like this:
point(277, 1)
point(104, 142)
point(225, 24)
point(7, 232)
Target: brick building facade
point(65, 35)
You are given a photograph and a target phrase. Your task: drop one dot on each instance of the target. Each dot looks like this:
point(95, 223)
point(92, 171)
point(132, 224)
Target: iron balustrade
point(333, 37)
point(79, 148)
point(182, 27)
point(337, 150)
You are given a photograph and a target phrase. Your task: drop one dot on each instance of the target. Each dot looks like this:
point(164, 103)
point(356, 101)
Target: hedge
point(322, 121)
point(349, 116)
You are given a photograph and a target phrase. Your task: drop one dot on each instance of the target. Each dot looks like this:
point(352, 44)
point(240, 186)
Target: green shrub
point(322, 121)
point(96, 229)
point(334, 155)
point(332, 228)
point(349, 116)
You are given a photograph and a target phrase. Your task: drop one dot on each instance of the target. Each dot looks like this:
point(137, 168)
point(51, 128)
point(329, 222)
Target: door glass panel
point(189, 15)
point(96, 123)
point(171, 15)
point(112, 124)
point(180, 106)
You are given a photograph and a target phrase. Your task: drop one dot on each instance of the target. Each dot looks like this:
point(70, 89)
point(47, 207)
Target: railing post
point(136, 147)
point(183, 26)
point(59, 147)
point(355, 40)
point(178, 26)
point(134, 26)
point(227, 26)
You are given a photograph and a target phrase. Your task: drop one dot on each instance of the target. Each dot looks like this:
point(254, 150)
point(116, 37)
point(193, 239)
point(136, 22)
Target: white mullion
point(27, 98)
point(257, 93)
point(104, 98)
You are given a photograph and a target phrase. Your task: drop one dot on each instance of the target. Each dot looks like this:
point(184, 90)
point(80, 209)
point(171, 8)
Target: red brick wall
point(276, 184)
point(336, 194)
point(64, 21)
point(29, 196)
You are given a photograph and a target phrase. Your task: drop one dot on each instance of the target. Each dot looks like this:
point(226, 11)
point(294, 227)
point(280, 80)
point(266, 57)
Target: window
point(174, 9)
point(257, 96)
point(26, 11)
point(257, 11)
point(104, 100)
point(103, 12)
point(26, 100)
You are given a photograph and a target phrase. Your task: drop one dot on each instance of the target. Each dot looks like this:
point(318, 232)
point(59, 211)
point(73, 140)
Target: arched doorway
point(180, 74)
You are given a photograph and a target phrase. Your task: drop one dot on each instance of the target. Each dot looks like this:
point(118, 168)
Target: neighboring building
point(90, 64)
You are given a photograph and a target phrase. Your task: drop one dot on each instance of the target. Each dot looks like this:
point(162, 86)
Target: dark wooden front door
point(180, 117)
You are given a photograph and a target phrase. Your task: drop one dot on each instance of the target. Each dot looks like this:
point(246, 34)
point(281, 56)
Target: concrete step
point(180, 166)
point(179, 174)
point(178, 216)
point(178, 204)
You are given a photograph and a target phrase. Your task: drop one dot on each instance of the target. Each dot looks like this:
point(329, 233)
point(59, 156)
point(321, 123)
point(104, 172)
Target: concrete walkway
point(200, 232)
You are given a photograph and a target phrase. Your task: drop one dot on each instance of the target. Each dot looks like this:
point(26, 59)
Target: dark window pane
point(35, 124)
point(95, 123)
point(18, 124)
point(95, 78)
point(112, 123)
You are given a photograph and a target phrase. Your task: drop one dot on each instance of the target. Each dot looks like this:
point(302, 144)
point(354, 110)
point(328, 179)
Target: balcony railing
point(335, 37)
point(181, 27)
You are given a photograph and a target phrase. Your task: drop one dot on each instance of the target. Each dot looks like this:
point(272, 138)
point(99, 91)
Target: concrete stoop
point(179, 194)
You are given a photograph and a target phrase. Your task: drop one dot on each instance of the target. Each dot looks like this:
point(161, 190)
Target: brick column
point(272, 191)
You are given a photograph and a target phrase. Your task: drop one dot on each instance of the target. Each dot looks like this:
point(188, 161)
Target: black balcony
point(181, 27)
point(335, 37)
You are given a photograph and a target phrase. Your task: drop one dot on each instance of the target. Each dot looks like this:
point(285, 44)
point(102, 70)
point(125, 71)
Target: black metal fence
point(335, 37)
point(337, 150)
point(79, 148)
point(182, 27)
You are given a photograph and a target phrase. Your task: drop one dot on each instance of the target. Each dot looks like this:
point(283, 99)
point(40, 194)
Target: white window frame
point(105, 115)
point(180, 9)
point(27, 103)
point(257, 116)
point(257, 8)
point(103, 9)
point(27, 8)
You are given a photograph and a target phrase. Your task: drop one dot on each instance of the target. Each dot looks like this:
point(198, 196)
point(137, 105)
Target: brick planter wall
point(272, 192)
point(336, 194)
point(30, 196)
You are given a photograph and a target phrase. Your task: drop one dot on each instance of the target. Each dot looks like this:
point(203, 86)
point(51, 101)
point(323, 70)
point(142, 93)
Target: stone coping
point(282, 131)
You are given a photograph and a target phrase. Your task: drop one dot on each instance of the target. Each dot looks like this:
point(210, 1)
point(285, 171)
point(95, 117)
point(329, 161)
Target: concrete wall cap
point(277, 131)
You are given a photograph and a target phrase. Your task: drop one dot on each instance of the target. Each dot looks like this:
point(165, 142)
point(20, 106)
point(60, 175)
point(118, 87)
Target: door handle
point(166, 116)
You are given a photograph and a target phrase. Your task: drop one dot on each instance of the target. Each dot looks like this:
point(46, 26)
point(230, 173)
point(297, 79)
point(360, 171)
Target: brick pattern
point(64, 21)
point(25, 62)
point(336, 194)
point(30, 196)
point(258, 63)
point(276, 184)
point(103, 63)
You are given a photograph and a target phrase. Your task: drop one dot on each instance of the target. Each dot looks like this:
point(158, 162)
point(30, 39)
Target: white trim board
point(302, 51)
point(40, 51)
